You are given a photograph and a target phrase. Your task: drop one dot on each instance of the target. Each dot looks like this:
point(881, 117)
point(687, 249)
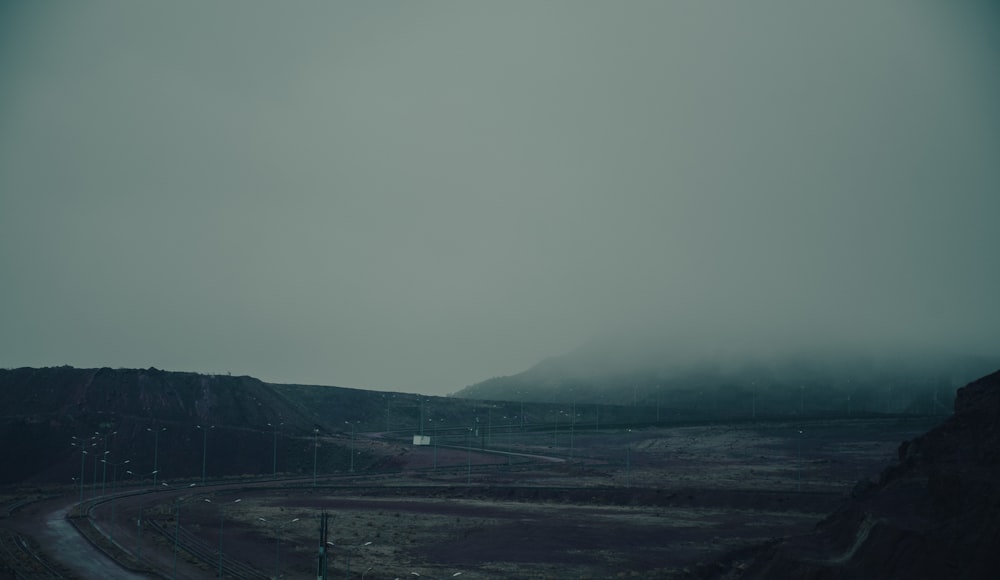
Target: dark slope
point(70, 393)
point(116, 410)
point(112, 410)
point(936, 514)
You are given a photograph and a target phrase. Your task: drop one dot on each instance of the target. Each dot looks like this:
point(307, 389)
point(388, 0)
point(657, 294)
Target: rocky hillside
point(119, 410)
point(936, 514)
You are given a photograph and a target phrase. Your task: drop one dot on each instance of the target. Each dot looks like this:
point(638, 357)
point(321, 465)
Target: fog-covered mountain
point(742, 379)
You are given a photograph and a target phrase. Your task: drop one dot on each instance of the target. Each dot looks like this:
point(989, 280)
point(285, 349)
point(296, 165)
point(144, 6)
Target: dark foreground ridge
point(936, 514)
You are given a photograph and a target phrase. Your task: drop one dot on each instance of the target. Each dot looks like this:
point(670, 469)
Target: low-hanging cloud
point(417, 196)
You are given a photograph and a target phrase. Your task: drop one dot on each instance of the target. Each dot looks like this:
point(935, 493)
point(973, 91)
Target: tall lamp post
point(352, 444)
point(138, 522)
point(204, 448)
point(104, 471)
point(156, 450)
point(277, 543)
point(222, 520)
point(628, 461)
point(114, 488)
point(468, 456)
point(177, 527)
point(315, 450)
point(572, 429)
point(93, 489)
point(83, 457)
point(798, 463)
point(274, 459)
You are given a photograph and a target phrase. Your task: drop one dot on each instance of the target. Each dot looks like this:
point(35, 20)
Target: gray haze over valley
point(418, 196)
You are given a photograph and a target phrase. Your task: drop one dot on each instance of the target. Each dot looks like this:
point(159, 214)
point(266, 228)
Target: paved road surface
point(75, 552)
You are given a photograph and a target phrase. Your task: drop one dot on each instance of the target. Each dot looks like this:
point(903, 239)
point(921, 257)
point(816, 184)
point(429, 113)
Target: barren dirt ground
point(572, 503)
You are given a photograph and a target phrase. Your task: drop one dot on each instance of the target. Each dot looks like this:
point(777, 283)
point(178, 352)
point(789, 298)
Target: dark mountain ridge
point(174, 421)
point(118, 411)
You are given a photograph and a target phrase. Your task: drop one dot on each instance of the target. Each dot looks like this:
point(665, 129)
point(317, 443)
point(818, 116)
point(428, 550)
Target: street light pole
point(93, 490)
point(275, 455)
point(177, 529)
point(315, 449)
point(468, 454)
point(798, 463)
point(139, 522)
point(572, 429)
point(277, 544)
point(204, 448)
point(628, 461)
point(83, 457)
point(104, 470)
point(352, 444)
point(222, 521)
point(114, 489)
point(156, 451)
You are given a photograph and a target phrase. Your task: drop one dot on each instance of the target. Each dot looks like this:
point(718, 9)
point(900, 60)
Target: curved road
point(47, 522)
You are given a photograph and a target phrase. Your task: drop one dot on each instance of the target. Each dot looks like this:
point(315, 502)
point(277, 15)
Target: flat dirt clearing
point(652, 503)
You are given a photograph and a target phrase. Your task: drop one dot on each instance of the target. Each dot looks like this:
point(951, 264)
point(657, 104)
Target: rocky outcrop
point(935, 514)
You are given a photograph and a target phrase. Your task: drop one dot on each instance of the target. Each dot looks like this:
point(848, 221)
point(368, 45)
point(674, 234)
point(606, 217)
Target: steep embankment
point(936, 514)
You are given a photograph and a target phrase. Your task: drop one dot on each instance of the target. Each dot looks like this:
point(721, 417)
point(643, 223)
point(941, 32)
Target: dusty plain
point(687, 500)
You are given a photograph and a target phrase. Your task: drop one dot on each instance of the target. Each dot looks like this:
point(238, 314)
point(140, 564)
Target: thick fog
point(420, 195)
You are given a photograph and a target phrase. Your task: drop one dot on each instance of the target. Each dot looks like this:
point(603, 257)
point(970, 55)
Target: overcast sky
point(417, 196)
